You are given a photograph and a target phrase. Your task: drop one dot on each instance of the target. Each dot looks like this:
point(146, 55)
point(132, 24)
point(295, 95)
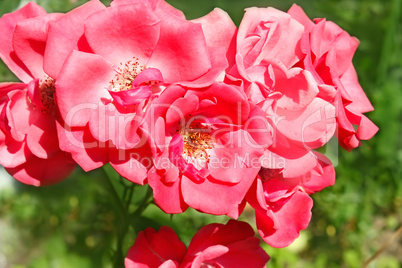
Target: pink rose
point(328, 51)
point(268, 45)
point(156, 249)
point(136, 48)
point(29, 148)
point(232, 245)
point(215, 245)
point(207, 148)
point(282, 204)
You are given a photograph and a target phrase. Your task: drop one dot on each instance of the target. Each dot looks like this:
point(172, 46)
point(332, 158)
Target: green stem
point(130, 195)
point(121, 207)
point(142, 206)
point(122, 227)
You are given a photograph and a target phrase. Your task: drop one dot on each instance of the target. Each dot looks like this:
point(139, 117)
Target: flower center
point(197, 142)
point(125, 75)
point(47, 90)
point(267, 173)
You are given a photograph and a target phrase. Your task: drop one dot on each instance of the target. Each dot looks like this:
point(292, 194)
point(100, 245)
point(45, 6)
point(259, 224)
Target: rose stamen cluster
point(197, 143)
point(47, 90)
point(125, 75)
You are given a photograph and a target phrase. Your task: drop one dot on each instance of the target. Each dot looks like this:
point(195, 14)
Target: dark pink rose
point(232, 245)
point(29, 147)
point(281, 211)
point(280, 197)
point(207, 148)
point(128, 53)
point(156, 249)
point(328, 51)
point(215, 245)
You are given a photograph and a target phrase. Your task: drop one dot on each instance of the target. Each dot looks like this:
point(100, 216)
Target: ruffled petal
point(85, 150)
point(156, 249)
point(132, 164)
point(60, 41)
point(42, 138)
point(29, 42)
point(290, 218)
point(7, 26)
point(18, 114)
point(311, 127)
point(166, 195)
point(13, 153)
point(277, 46)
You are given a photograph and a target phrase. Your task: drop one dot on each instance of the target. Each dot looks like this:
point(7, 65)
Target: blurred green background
point(74, 223)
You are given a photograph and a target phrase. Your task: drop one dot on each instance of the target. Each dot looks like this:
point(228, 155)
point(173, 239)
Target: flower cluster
point(211, 116)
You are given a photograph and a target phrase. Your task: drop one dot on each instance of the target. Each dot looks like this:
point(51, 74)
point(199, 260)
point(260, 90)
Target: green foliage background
point(74, 223)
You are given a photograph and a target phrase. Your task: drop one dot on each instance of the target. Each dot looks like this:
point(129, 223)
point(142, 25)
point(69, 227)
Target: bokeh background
point(73, 224)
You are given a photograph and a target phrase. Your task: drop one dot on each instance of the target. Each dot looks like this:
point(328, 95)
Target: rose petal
point(120, 33)
point(7, 26)
point(81, 87)
point(60, 42)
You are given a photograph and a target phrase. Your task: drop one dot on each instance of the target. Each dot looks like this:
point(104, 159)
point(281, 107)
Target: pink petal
point(207, 256)
point(218, 65)
point(18, 114)
point(85, 150)
point(360, 102)
point(29, 42)
point(155, 249)
point(322, 179)
point(42, 138)
point(214, 197)
point(132, 164)
point(7, 26)
point(219, 92)
point(279, 45)
point(366, 129)
point(13, 153)
point(166, 195)
point(234, 157)
point(180, 109)
point(180, 59)
point(6, 87)
point(298, 89)
point(290, 218)
point(258, 127)
point(219, 31)
point(120, 33)
point(44, 172)
point(132, 96)
point(82, 71)
point(214, 234)
point(312, 127)
point(61, 42)
point(294, 161)
point(218, 28)
point(298, 14)
point(246, 253)
point(141, 89)
point(108, 123)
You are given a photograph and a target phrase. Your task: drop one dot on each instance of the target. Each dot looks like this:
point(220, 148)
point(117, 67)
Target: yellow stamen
point(125, 75)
